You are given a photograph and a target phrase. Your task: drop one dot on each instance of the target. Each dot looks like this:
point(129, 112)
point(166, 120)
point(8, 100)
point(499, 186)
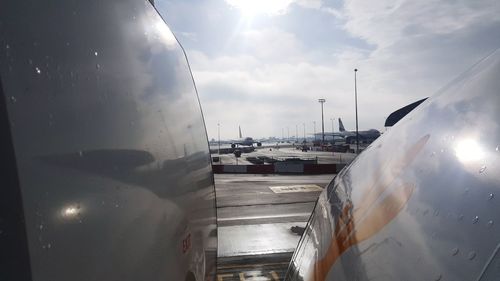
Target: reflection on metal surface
point(167, 37)
point(109, 141)
point(468, 150)
point(491, 270)
point(443, 210)
point(70, 211)
point(374, 212)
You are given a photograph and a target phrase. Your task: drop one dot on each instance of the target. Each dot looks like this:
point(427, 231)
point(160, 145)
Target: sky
point(263, 64)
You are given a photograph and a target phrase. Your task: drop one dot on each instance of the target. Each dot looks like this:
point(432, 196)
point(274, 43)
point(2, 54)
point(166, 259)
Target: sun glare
point(468, 150)
point(252, 8)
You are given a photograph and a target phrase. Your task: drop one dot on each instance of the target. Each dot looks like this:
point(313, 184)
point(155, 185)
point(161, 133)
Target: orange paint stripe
point(352, 227)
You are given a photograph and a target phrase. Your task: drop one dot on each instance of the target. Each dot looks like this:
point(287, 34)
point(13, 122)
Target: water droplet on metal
point(455, 251)
point(466, 190)
point(97, 66)
point(461, 217)
point(37, 70)
point(471, 255)
point(80, 153)
point(95, 53)
point(490, 223)
point(41, 226)
point(116, 205)
point(49, 246)
point(13, 99)
point(497, 148)
point(483, 168)
point(438, 277)
point(7, 46)
point(475, 220)
point(433, 154)
point(491, 196)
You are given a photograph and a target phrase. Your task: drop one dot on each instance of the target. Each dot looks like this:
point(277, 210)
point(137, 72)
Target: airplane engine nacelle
point(259, 144)
point(233, 145)
point(428, 162)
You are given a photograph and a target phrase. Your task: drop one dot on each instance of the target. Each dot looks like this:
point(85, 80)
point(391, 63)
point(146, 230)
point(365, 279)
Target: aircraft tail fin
point(239, 127)
point(341, 126)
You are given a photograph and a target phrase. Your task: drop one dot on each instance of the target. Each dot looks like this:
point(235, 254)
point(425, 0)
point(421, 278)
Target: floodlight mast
point(356, 108)
point(322, 101)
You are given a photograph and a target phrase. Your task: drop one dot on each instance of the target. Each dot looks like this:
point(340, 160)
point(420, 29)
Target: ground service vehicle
point(105, 163)
point(422, 202)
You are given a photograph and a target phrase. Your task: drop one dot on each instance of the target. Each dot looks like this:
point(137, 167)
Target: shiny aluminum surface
point(110, 142)
point(421, 203)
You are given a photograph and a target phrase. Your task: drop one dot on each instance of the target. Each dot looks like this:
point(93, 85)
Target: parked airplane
point(421, 203)
point(105, 167)
point(245, 141)
point(364, 136)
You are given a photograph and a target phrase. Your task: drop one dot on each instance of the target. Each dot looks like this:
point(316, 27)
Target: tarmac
point(255, 216)
point(322, 157)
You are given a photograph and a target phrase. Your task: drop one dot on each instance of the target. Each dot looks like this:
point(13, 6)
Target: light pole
point(314, 123)
point(304, 131)
point(322, 101)
point(288, 129)
point(282, 134)
point(356, 107)
point(333, 137)
point(296, 133)
point(218, 134)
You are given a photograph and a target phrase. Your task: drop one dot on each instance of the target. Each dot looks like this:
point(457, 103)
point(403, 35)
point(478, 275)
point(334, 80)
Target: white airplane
point(350, 136)
point(245, 141)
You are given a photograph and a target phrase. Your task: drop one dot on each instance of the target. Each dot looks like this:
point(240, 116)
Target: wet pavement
point(255, 215)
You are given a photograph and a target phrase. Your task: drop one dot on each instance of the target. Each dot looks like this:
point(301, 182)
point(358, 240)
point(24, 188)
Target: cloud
point(266, 97)
point(420, 45)
point(385, 22)
point(268, 75)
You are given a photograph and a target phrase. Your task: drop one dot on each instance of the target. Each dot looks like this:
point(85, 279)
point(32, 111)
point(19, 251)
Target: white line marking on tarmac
point(296, 188)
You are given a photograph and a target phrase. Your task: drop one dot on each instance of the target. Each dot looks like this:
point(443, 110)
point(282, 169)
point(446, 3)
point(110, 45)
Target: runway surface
point(255, 215)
